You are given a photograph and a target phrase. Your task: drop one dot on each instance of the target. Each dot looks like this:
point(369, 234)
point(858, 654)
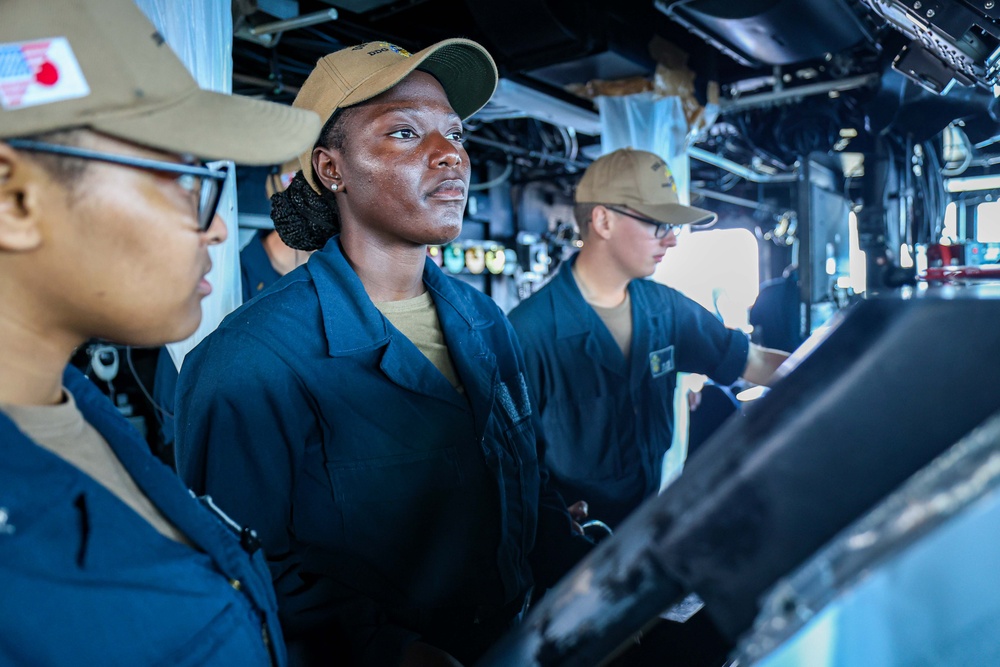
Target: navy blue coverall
point(608, 421)
point(775, 314)
point(84, 580)
point(256, 271)
point(391, 506)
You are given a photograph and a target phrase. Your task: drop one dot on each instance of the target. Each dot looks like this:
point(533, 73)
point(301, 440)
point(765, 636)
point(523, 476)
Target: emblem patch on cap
point(661, 362)
point(39, 72)
point(382, 47)
point(668, 178)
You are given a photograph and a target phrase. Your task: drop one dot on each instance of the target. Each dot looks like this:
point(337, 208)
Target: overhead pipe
point(738, 201)
point(275, 86)
point(268, 34)
point(782, 95)
point(517, 150)
point(739, 169)
point(303, 21)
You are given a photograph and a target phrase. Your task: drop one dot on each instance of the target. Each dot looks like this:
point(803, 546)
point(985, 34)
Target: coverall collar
point(163, 488)
point(351, 322)
point(575, 317)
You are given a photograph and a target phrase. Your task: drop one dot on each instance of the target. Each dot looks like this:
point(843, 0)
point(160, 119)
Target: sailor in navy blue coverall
point(102, 586)
point(603, 345)
point(256, 271)
point(390, 462)
point(107, 216)
point(609, 420)
point(391, 506)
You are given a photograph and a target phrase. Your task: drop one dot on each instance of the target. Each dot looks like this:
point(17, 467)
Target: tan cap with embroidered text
point(641, 181)
point(352, 75)
point(101, 65)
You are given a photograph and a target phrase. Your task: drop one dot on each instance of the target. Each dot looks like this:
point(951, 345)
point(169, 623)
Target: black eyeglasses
point(200, 181)
point(662, 228)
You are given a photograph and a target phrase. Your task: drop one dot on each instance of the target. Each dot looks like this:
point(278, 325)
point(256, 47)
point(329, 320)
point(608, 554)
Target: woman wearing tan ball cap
point(106, 216)
point(373, 408)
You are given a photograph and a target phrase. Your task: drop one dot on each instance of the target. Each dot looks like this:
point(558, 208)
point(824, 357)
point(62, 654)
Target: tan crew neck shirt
point(62, 430)
point(618, 319)
point(417, 319)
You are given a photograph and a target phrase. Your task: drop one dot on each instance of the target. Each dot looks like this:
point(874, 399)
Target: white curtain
point(655, 123)
point(648, 122)
point(201, 33)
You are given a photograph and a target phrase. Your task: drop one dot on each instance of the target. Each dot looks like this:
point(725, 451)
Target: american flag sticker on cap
point(39, 72)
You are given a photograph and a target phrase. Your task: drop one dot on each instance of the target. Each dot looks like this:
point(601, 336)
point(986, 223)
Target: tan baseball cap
point(358, 73)
point(67, 64)
point(641, 181)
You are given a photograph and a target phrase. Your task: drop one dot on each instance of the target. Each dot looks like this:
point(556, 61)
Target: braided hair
point(306, 219)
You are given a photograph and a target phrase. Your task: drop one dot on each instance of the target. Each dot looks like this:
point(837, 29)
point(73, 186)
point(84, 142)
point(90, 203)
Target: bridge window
point(719, 269)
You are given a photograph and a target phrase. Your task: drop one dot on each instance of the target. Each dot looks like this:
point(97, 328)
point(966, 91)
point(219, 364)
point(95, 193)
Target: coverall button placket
point(567, 355)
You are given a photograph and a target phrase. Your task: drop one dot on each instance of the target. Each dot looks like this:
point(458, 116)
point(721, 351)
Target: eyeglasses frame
point(216, 177)
point(662, 228)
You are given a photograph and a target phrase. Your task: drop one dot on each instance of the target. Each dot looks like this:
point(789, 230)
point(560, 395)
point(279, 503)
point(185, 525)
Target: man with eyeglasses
point(107, 211)
point(603, 346)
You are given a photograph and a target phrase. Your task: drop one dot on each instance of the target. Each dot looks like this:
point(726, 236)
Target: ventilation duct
point(769, 32)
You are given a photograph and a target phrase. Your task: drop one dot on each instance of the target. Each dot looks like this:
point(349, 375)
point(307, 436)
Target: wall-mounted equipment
point(768, 32)
point(475, 257)
point(952, 41)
